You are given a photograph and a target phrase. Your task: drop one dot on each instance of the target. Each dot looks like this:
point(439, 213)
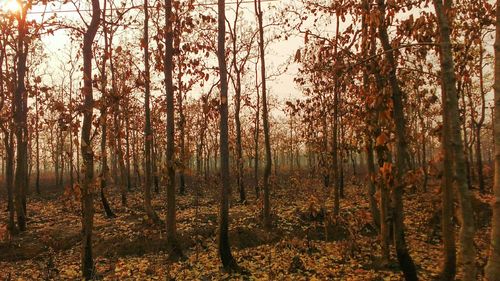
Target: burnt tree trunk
point(228, 262)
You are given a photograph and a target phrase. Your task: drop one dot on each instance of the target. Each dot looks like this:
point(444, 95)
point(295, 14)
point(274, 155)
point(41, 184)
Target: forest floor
point(305, 244)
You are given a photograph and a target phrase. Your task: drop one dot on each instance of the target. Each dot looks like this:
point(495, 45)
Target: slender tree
point(492, 270)
point(148, 133)
point(265, 118)
point(228, 262)
point(20, 119)
point(451, 124)
point(402, 157)
point(86, 146)
point(173, 245)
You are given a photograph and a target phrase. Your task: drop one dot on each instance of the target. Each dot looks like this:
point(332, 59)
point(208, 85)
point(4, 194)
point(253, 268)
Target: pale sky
point(278, 53)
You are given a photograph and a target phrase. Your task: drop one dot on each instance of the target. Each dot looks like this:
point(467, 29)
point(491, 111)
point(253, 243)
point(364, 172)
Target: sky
point(279, 53)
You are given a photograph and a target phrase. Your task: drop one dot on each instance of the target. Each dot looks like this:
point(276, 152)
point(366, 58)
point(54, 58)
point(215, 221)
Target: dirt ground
point(305, 244)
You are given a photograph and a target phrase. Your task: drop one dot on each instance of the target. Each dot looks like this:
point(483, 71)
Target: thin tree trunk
point(20, 123)
point(228, 262)
point(479, 123)
point(402, 160)
point(9, 179)
point(104, 162)
point(265, 119)
point(173, 245)
point(492, 269)
point(256, 136)
point(335, 137)
point(372, 185)
point(37, 136)
point(182, 120)
point(148, 134)
point(467, 253)
point(237, 108)
point(127, 152)
point(86, 147)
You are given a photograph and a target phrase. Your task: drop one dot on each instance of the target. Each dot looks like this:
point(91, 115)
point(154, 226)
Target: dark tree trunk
point(492, 269)
point(402, 160)
point(20, 123)
point(265, 119)
point(182, 120)
point(228, 262)
point(467, 252)
point(37, 136)
point(9, 178)
point(148, 134)
point(256, 136)
point(174, 248)
point(127, 148)
point(86, 147)
point(479, 123)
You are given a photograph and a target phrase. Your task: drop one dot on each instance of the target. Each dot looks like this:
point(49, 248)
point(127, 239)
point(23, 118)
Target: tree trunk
point(127, 152)
point(256, 136)
point(154, 160)
point(402, 160)
point(228, 262)
point(148, 134)
point(479, 123)
point(37, 136)
point(20, 123)
point(492, 269)
point(104, 164)
point(335, 129)
point(467, 253)
point(173, 245)
point(372, 184)
point(182, 120)
point(448, 270)
point(265, 119)
point(86, 146)
point(9, 179)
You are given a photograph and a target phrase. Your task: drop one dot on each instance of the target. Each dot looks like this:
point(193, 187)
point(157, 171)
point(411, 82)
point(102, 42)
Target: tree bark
point(492, 270)
point(402, 160)
point(173, 246)
point(479, 123)
point(182, 130)
point(237, 107)
point(9, 179)
point(228, 262)
point(265, 119)
point(86, 146)
point(20, 122)
point(256, 136)
point(148, 134)
point(467, 251)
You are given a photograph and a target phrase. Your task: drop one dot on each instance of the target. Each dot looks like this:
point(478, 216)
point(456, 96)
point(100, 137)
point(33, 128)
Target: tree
point(240, 55)
point(265, 118)
point(86, 146)
point(492, 270)
point(20, 119)
point(402, 158)
point(228, 262)
point(451, 130)
point(173, 245)
point(103, 119)
point(148, 134)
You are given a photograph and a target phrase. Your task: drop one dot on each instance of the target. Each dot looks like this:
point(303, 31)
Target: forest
point(250, 140)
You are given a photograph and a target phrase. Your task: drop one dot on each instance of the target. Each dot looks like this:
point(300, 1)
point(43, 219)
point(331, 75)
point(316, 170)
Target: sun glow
point(11, 6)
